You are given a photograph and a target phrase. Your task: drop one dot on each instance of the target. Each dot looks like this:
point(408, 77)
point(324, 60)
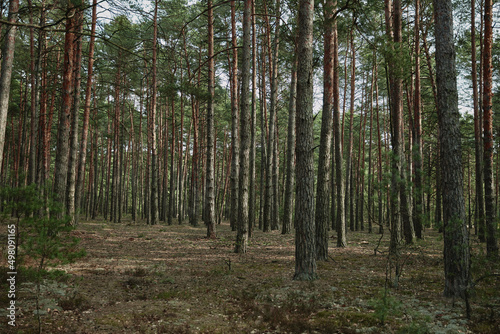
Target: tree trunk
point(115, 181)
point(478, 133)
point(456, 243)
point(245, 134)
point(290, 156)
point(42, 174)
point(154, 159)
point(6, 73)
point(235, 146)
point(370, 150)
point(252, 199)
point(340, 213)
point(180, 168)
point(263, 137)
point(417, 124)
point(72, 163)
point(323, 185)
point(209, 193)
point(305, 253)
point(395, 80)
point(61, 163)
point(348, 185)
point(86, 112)
point(35, 89)
point(271, 170)
point(489, 197)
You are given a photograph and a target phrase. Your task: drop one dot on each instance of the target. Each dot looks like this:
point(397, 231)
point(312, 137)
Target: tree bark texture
point(6, 73)
point(323, 185)
point(456, 241)
point(209, 183)
point(245, 134)
point(305, 253)
point(491, 242)
point(63, 131)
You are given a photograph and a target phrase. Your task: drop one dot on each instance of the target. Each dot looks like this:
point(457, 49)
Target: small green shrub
point(415, 328)
point(385, 305)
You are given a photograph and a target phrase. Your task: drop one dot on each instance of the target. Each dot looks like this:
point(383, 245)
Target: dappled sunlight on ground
point(171, 279)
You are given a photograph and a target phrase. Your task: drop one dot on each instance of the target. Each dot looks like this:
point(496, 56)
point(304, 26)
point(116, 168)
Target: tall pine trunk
point(6, 73)
point(86, 111)
point(245, 135)
point(305, 253)
point(417, 125)
point(209, 183)
point(489, 197)
point(456, 243)
point(235, 138)
point(323, 185)
point(290, 156)
point(63, 131)
point(153, 220)
point(478, 133)
point(72, 163)
point(339, 180)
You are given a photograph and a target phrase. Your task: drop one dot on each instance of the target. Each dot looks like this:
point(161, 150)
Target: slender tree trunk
point(456, 242)
point(86, 112)
point(417, 124)
point(105, 207)
point(134, 174)
point(253, 130)
point(478, 133)
point(396, 136)
point(264, 136)
point(180, 204)
point(290, 156)
point(489, 197)
point(305, 253)
point(35, 89)
point(61, 163)
point(340, 214)
point(235, 146)
point(209, 193)
point(154, 159)
point(245, 134)
point(42, 122)
point(348, 185)
point(115, 181)
point(323, 185)
point(370, 142)
point(271, 171)
point(6, 73)
point(171, 200)
point(72, 163)
point(361, 176)
point(379, 145)
point(193, 200)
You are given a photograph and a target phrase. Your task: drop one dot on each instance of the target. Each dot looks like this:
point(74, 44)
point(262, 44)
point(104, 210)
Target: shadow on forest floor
point(170, 279)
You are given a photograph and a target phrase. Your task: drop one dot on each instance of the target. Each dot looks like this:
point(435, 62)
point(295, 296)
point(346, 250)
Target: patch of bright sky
point(108, 9)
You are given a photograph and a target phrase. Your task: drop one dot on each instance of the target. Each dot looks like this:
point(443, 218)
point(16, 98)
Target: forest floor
point(171, 279)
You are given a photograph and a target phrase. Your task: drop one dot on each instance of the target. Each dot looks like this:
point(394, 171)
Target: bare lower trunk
point(305, 253)
point(456, 243)
point(6, 73)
